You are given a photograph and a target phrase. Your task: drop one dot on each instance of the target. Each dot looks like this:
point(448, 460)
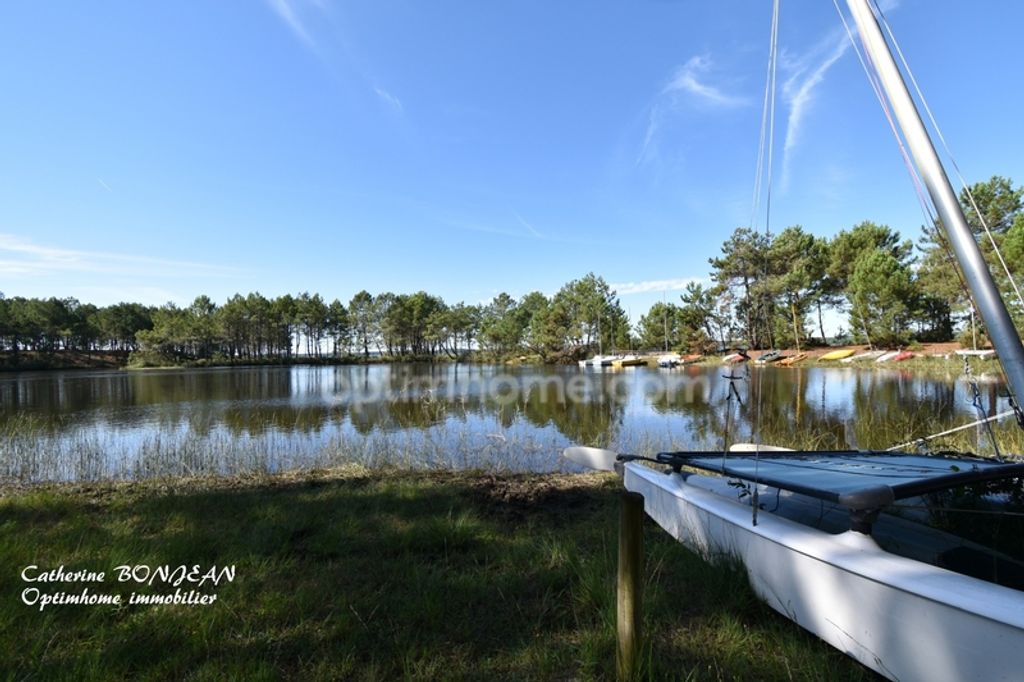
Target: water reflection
point(472, 413)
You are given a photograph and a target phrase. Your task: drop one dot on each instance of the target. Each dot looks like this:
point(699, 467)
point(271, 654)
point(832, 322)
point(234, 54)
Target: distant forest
point(767, 291)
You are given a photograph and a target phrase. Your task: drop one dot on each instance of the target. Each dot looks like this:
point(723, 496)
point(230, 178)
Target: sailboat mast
point(983, 288)
point(664, 315)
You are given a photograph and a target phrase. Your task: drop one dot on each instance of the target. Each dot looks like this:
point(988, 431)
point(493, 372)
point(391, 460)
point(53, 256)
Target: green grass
point(378, 576)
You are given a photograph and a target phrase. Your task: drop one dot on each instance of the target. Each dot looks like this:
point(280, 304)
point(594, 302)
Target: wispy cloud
point(653, 285)
point(690, 85)
point(287, 11)
point(807, 73)
point(529, 228)
point(487, 229)
point(691, 79)
point(299, 15)
point(799, 88)
point(528, 231)
point(389, 99)
point(104, 185)
point(24, 258)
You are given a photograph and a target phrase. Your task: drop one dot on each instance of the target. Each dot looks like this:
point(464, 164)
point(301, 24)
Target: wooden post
point(630, 584)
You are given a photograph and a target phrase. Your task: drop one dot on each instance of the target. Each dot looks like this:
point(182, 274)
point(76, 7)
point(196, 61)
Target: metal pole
point(993, 312)
point(630, 584)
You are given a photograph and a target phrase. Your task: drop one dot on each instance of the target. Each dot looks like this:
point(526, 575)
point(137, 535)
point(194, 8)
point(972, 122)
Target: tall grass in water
point(29, 453)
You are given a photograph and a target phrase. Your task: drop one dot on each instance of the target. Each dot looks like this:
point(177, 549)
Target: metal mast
point(979, 279)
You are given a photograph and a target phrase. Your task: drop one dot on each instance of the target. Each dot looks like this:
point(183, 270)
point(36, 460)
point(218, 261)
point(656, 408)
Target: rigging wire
point(931, 217)
point(977, 404)
point(924, 439)
point(949, 153)
point(767, 134)
point(765, 164)
point(967, 190)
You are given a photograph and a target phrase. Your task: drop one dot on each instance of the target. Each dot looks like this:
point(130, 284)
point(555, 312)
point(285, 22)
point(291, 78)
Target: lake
point(137, 424)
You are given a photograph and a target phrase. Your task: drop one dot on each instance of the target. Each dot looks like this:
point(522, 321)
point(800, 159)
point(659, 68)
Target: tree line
point(771, 290)
point(584, 313)
point(766, 291)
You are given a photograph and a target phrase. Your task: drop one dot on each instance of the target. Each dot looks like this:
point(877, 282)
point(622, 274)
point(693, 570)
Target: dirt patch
point(515, 498)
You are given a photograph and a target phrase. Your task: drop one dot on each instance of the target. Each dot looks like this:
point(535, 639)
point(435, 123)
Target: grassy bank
point(31, 361)
point(360, 575)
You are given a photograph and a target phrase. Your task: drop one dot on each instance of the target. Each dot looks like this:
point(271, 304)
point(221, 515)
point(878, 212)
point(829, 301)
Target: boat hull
point(837, 354)
point(867, 355)
point(902, 618)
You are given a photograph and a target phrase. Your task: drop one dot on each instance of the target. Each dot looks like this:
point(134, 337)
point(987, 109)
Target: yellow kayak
point(838, 354)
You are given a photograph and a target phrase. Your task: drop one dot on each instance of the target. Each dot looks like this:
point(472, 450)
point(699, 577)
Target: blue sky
point(157, 151)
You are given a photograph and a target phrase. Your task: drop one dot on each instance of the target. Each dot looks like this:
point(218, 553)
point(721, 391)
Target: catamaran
point(819, 533)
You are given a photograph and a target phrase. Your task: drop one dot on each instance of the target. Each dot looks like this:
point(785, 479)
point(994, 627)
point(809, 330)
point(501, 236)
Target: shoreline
point(926, 358)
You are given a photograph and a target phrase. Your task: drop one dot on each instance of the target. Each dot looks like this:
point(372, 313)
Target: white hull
point(867, 355)
point(905, 619)
point(976, 353)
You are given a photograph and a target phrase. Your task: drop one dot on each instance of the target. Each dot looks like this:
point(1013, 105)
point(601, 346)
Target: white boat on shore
point(988, 353)
point(904, 618)
point(866, 355)
point(629, 360)
point(598, 361)
point(669, 360)
point(821, 551)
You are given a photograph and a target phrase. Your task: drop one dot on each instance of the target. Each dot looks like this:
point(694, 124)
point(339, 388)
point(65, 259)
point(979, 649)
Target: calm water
point(116, 424)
